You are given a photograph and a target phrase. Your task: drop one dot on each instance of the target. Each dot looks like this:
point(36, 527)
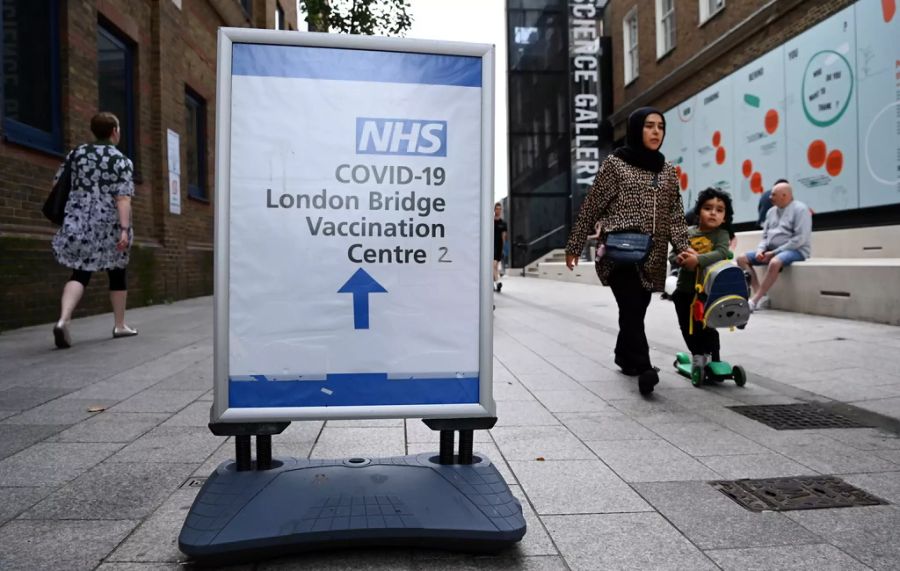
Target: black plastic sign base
point(302, 505)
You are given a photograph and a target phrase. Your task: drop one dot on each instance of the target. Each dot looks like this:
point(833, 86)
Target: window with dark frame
point(115, 84)
point(195, 144)
point(279, 17)
point(32, 115)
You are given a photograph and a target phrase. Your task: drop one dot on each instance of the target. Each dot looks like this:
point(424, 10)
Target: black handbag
point(55, 206)
point(631, 247)
point(628, 247)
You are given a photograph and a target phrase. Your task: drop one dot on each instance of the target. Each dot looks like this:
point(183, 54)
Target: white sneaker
point(763, 303)
point(699, 361)
point(752, 304)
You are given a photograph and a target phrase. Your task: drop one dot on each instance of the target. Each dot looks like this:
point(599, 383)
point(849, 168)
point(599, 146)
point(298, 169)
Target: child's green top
point(711, 247)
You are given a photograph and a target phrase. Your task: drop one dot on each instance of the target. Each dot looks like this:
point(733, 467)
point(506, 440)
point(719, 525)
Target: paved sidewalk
point(608, 480)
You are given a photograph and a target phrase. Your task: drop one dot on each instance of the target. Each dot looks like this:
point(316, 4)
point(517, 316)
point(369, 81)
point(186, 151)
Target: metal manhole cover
point(800, 493)
point(796, 416)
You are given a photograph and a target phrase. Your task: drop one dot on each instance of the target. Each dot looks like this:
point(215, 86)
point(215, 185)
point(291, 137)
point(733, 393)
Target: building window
point(115, 82)
point(279, 17)
point(31, 73)
point(630, 45)
point(709, 8)
point(665, 27)
point(195, 144)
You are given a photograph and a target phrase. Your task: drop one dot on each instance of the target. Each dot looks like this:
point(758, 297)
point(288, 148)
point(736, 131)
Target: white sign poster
point(678, 146)
point(714, 137)
point(821, 114)
point(358, 204)
point(878, 78)
point(173, 155)
point(174, 193)
point(760, 157)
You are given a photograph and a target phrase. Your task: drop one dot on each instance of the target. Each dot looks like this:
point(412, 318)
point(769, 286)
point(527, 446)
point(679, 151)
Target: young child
point(710, 239)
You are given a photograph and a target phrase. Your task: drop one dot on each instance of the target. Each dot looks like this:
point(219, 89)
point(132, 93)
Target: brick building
point(671, 54)
point(153, 63)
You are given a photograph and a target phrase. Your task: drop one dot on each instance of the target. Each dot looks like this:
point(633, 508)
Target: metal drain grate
point(194, 482)
point(801, 493)
point(796, 416)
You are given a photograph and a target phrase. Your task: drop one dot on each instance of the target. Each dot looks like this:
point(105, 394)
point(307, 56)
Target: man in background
point(785, 240)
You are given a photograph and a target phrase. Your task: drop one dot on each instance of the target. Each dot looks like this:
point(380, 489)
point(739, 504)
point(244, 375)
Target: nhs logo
point(375, 136)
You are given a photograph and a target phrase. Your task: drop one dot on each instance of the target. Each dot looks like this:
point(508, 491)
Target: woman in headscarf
point(635, 190)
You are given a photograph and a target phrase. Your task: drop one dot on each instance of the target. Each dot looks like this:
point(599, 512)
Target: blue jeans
point(787, 258)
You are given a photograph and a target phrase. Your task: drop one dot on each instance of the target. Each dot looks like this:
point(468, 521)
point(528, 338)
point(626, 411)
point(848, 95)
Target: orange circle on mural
point(756, 185)
point(683, 180)
point(720, 155)
point(717, 139)
point(816, 153)
point(678, 170)
point(835, 162)
point(747, 168)
point(771, 121)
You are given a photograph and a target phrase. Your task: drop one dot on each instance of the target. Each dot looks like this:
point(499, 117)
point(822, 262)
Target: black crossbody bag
point(55, 206)
point(629, 247)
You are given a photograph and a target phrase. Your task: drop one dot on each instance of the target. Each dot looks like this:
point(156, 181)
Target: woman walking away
point(635, 191)
point(96, 233)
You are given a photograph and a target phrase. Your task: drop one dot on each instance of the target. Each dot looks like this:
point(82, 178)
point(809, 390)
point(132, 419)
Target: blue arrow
point(361, 284)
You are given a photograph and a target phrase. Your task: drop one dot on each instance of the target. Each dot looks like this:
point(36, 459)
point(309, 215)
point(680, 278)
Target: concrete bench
point(867, 289)
point(853, 243)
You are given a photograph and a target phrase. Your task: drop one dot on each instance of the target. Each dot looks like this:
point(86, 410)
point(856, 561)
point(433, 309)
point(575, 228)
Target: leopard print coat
point(622, 198)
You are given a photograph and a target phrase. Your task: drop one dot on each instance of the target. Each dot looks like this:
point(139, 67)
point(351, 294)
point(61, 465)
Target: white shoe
point(753, 305)
point(699, 361)
point(763, 303)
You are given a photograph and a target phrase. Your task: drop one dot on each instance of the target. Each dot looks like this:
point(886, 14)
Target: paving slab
point(548, 442)
point(153, 540)
point(18, 437)
point(111, 427)
point(869, 534)
point(60, 411)
point(51, 545)
point(766, 465)
point(365, 442)
point(706, 439)
point(112, 491)
point(650, 461)
point(14, 501)
point(623, 541)
point(550, 486)
point(24, 398)
point(53, 463)
point(524, 413)
point(573, 400)
point(176, 444)
point(713, 521)
point(605, 426)
point(819, 557)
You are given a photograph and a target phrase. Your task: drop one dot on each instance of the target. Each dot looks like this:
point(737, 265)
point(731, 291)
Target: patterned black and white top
point(87, 239)
point(623, 198)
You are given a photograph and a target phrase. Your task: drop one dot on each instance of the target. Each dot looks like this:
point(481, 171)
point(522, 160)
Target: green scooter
point(717, 371)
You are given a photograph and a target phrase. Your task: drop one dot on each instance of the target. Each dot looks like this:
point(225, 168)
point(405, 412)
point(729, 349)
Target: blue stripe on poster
point(351, 389)
point(354, 65)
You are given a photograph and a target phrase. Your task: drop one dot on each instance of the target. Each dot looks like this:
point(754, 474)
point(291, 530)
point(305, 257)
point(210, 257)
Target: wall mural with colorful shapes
point(822, 110)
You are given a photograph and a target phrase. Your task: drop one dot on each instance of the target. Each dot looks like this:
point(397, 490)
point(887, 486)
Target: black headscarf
point(634, 152)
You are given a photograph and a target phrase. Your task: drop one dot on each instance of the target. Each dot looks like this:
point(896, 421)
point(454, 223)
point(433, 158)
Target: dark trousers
point(632, 350)
point(118, 281)
point(705, 340)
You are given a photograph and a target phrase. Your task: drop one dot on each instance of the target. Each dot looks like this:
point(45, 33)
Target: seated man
point(785, 240)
